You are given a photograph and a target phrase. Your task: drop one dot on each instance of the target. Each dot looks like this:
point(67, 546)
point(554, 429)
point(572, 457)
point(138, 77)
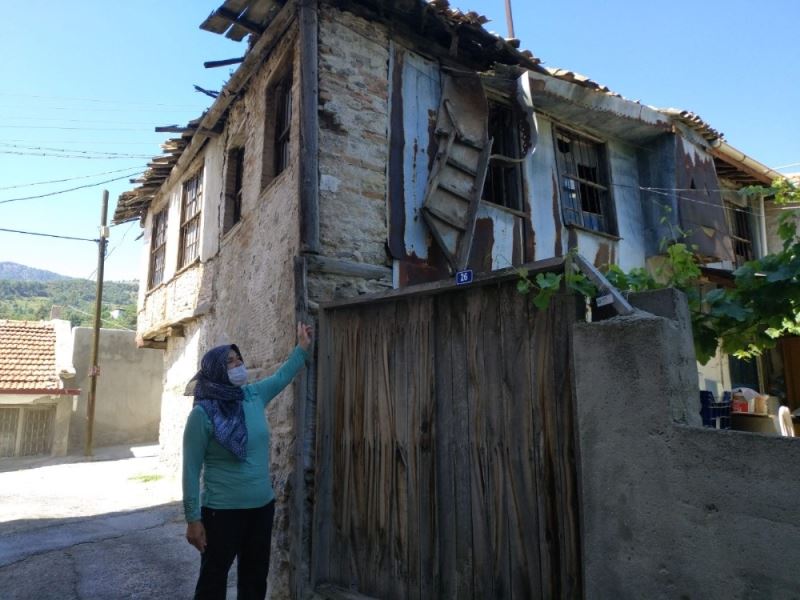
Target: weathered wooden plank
point(428, 555)
point(323, 501)
point(555, 265)
point(308, 177)
point(457, 304)
point(496, 401)
point(411, 349)
point(521, 491)
point(445, 448)
point(337, 266)
point(477, 393)
point(541, 369)
point(563, 315)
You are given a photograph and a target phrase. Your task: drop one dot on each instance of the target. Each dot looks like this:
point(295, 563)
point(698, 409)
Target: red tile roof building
point(28, 358)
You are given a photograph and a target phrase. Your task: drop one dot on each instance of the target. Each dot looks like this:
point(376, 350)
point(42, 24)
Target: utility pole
point(94, 372)
point(509, 19)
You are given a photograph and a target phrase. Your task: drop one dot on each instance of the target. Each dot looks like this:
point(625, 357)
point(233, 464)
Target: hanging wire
point(80, 187)
point(34, 183)
point(49, 235)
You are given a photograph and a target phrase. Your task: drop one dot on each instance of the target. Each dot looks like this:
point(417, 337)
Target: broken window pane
point(585, 197)
point(503, 183)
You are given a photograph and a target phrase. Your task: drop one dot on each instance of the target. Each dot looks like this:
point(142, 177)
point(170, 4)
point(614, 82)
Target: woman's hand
point(304, 333)
point(196, 535)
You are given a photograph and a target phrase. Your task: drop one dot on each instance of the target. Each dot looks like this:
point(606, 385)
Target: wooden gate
point(446, 455)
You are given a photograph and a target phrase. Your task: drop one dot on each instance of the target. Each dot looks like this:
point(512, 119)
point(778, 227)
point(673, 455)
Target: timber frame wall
point(446, 447)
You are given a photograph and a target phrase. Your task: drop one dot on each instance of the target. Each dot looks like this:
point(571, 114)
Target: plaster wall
point(128, 398)
point(672, 510)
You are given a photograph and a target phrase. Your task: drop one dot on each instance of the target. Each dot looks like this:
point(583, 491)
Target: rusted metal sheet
point(415, 102)
point(700, 211)
point(415, 98)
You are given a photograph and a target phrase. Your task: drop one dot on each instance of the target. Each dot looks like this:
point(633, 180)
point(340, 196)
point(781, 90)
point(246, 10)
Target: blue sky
point(91, 79)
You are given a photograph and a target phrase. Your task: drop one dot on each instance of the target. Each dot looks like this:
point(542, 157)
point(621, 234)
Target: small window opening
point(191, 202)
point(503, 183)
point(158, 246)
point(233, 188)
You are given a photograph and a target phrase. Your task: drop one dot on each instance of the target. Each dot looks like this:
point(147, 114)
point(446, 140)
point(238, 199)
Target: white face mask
point(238, 375)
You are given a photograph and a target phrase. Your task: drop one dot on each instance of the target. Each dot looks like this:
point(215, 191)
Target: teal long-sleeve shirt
point(227, 481)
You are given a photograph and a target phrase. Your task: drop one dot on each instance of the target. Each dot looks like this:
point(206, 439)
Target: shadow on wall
point(128, 397)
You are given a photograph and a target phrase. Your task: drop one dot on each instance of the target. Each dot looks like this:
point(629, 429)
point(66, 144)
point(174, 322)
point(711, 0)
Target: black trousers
point(245, 533)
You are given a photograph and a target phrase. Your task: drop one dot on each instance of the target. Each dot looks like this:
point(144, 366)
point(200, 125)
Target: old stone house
point(362, 146)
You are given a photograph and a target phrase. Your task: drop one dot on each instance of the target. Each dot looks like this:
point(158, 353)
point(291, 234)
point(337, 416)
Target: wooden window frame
point(741, 232)
point(503, 185)
point(158, 249)
point(234, 179)
point(281, 147)
point(191, 210)
point(586, 198)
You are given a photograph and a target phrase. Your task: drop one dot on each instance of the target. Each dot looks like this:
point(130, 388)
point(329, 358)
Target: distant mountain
point(17, 272)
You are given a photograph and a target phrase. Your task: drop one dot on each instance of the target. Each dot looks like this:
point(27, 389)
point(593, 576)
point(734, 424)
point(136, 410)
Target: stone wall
point(670, 509)
point(354, 146)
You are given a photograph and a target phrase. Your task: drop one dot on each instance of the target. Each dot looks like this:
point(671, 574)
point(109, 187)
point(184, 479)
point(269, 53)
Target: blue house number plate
point(464, 277)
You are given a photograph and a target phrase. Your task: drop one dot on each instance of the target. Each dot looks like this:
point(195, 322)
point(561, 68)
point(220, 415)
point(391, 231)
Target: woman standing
point(227, 437)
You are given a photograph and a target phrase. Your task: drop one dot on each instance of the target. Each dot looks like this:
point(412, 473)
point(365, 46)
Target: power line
point(116, 326)
point(49, 149)
point(33, 183)
point(80, 187)
point(83, 156)
point(97, 100)
point(105, 141)
point(72, 128)
point(50, 235)
point(795, 164)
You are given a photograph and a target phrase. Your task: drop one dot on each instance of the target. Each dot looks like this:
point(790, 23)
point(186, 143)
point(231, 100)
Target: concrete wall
point(670, 509)
point(128, 400)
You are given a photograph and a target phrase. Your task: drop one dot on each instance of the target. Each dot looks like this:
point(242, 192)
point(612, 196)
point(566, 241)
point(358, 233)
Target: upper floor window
point(585, 197)
point(741, 233)
point(278, 124)
point(283, 123)
point(191, 202)
point(158, 247)
point(233, 188)
point(503, 183)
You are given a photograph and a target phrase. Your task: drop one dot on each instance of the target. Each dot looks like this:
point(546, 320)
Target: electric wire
point(80, 187)
point(50, 149)
point(97, 100)
point(81, 156)
point(35, 183)
point(49, 235)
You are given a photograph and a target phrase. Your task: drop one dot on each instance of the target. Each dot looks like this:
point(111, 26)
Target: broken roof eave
point(596, 109)
point(214, 116)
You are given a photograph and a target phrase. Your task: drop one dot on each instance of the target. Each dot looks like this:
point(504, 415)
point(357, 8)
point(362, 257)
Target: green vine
point(762, 305)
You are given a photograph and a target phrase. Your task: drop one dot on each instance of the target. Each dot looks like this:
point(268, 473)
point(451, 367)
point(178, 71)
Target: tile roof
point(28, 356)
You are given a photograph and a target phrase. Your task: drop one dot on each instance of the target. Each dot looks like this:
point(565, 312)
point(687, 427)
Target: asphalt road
point(106, 528)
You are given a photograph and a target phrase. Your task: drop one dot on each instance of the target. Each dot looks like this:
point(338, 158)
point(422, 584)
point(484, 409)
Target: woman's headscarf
point(222, 400)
